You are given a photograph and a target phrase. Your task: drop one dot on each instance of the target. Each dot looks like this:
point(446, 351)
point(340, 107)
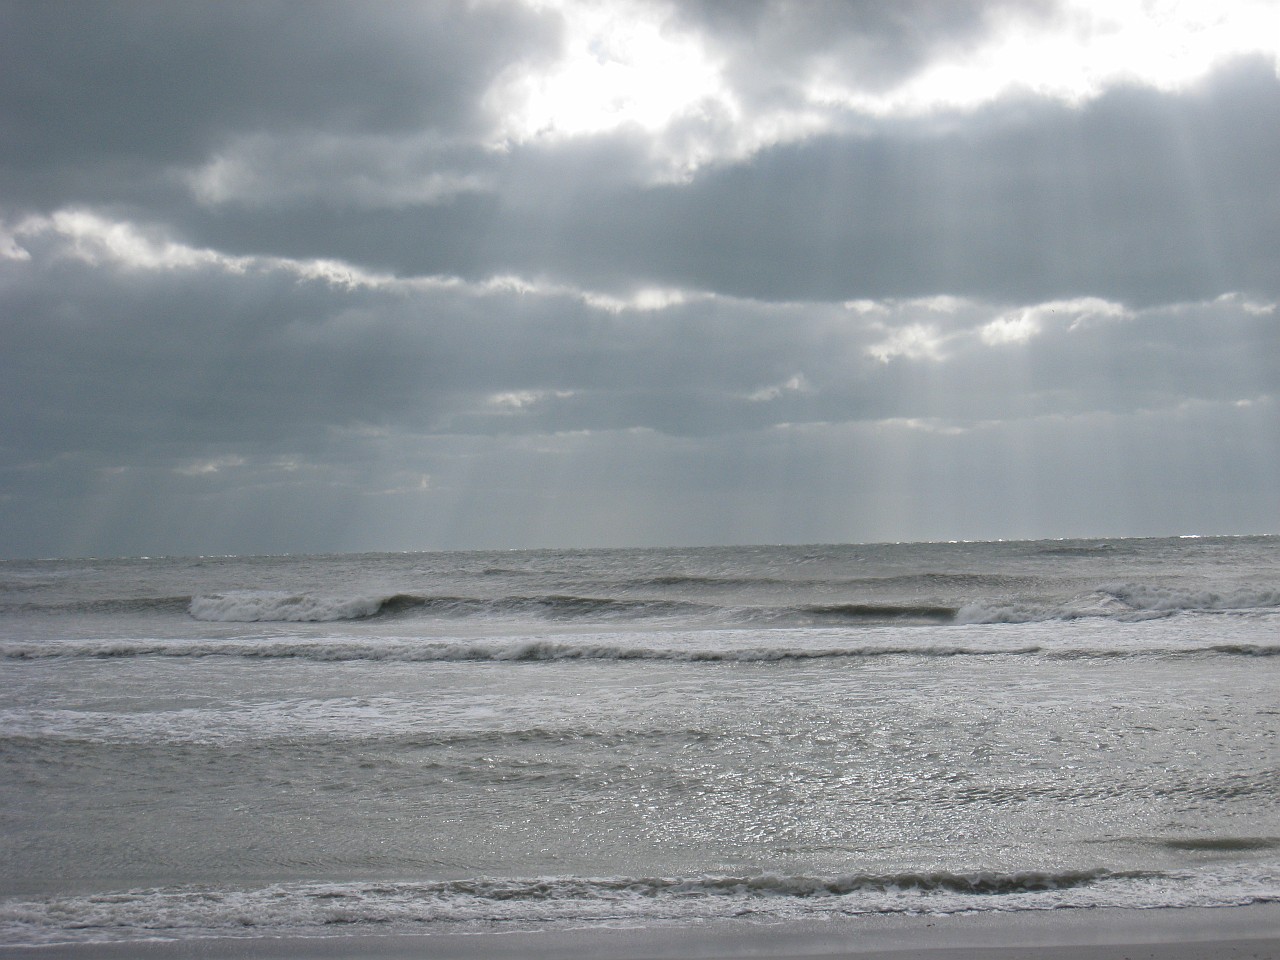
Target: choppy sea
point(460, 742)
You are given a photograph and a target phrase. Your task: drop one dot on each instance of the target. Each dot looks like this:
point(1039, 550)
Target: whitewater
point(470, 742)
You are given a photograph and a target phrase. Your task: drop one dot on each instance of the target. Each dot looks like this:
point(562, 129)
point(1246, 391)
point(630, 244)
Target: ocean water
point(460, 742)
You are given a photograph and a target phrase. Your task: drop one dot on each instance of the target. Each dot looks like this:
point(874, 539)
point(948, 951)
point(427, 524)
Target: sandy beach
point(1219, 934)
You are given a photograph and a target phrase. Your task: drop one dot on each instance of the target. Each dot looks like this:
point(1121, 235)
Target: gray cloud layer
point(271, 283)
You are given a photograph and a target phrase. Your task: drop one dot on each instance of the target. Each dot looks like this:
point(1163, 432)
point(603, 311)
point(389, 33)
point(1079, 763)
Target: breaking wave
point(1129, 601)
point(257, 606)
point(1161, 598)
point(942, 602)
point(1120, 601)
point(260, 606)
point(250, 607)
point(717, 648)
point(317, 909)
point(254, 606)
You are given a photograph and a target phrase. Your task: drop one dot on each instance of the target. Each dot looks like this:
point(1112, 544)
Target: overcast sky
point(281, 277)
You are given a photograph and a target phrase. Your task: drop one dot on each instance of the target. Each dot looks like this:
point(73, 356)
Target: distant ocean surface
point(458, 742)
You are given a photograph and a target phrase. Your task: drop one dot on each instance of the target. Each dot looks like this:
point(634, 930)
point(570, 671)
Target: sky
point(286, 278)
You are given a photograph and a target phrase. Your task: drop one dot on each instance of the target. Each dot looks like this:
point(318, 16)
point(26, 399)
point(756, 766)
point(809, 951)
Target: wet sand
point(1232, 933)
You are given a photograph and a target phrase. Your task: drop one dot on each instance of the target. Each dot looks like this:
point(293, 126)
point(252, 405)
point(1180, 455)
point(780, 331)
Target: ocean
point(470, 742)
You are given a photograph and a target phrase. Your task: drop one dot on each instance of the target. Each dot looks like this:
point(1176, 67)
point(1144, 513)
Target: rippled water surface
point(282, 744)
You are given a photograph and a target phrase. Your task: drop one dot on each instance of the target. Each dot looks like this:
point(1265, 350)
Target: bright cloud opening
point(628, 66)
point(622, 66)
point(1077, 53)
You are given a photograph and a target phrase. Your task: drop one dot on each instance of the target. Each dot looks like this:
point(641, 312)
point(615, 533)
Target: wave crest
point(611, 647)
point(568, 901)
point(248, 606)
point(1123, 601)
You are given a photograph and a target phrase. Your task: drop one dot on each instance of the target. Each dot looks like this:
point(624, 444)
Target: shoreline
point(1219, 933)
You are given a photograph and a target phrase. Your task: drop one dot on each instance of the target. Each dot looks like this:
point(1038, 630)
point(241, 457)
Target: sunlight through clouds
point(96, 240)
point(694, 257)
point(915, 341)
point(1085, 47)
point(621, 66)
point(1019, 326)
point(1017, 329)
point(626, 65)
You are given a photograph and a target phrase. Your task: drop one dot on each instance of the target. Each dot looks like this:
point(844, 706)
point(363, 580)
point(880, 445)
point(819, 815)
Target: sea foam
point(252, 606)
point(477, 904)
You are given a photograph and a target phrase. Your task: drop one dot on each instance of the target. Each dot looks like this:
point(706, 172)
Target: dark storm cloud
point(167, 360)
point(358, 133)
point(274, 277)
point(773, 45)
point(1139, 196)
point(1143, 196)
point(124, 91)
